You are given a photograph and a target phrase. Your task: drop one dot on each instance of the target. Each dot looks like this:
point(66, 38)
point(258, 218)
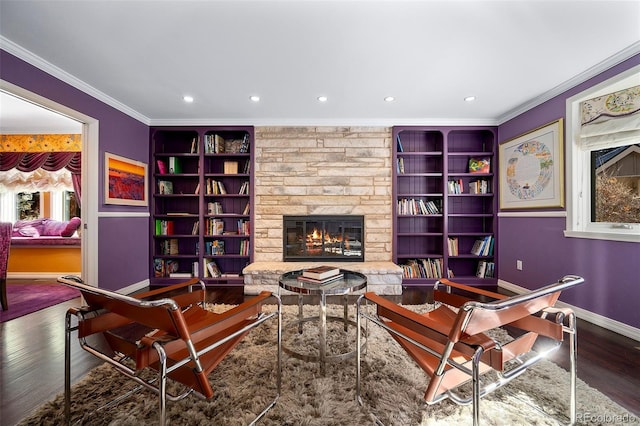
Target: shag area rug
point(392, 389)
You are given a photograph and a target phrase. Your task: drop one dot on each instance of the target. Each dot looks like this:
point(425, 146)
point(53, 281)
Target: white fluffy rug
point(393, 388)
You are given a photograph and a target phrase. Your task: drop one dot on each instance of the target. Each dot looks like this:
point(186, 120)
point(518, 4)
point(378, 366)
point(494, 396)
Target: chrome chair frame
point(116, 360)
point(564, 317)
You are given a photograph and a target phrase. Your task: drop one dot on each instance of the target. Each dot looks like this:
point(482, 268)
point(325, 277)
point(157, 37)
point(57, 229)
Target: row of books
point(164, 227)
point(485, 269)
point(216, 144)
point(214, 248)
point(475, 187)
point(412, 206)
point(169, 246)
point(215, 226)
point(481, 186)
point(423, 268)
point(483, 247)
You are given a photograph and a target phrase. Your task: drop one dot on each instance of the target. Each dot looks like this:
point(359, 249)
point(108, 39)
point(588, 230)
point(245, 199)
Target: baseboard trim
point(39, 275)
point(596, 319)
point(142, 285)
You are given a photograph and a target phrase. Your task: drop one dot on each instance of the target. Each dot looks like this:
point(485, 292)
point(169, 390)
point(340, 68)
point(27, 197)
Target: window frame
point(578, 167)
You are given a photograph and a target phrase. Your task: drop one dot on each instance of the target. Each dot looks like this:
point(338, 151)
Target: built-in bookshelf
point(202, 199)
point(444, 190)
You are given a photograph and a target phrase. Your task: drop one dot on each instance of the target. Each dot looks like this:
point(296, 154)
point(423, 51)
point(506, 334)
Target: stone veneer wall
point(322, 170)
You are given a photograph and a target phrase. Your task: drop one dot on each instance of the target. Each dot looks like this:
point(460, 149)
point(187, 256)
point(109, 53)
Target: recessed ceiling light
point(322, 99)
point(187, 98)
point(470, 98)
point(255, 98)
point(389, 99)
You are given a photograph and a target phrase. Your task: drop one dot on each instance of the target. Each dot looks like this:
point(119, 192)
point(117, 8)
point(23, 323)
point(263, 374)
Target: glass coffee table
point(349, 283)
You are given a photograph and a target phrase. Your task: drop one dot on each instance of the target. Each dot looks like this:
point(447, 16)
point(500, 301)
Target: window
point(59, 205)
point(603, 160)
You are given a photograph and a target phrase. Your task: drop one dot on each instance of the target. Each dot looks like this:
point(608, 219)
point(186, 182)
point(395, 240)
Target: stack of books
point(321, 275)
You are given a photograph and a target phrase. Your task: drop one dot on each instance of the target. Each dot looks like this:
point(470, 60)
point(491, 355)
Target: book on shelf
point(244, 146)
point(221, 188)
point(211, 269)
point(483, 247)
point(399, 142)
point(162, 167)
point(455, 186)
point(244, 227)
point(244, 188)
point(479, 165)
point(180, 275)
point(215, 247)
point(194, 146)
point(165, 187)
point(164, 227)
point(247, 209)
point(423, 268)
point(230, 168)
point(196, 228)
point(485, 269)
point(169, 246)
point(197, 190)
point(214, 227)
point(214, 208)
point(452, 243)
point(247, 167)
point(411, 206)
point(244, 248)
point(479, 187)
point(214, 144)
point(175, 166)
point(320, 272)
point(400, 165)
point(331, 279)
point(165, 267)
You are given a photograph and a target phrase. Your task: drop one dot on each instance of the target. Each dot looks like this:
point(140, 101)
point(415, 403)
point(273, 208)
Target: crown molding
point(35, 60)
point(369, 122)
point(597, 69)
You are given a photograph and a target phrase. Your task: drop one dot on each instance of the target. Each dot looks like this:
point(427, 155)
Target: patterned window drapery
point(611, 120)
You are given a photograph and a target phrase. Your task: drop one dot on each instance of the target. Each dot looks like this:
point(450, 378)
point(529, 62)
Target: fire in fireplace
point(323, 237)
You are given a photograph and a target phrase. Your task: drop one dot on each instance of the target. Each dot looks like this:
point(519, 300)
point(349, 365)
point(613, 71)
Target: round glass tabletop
point(351, 281)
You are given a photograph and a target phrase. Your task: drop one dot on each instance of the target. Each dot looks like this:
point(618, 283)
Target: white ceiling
point(143, 56)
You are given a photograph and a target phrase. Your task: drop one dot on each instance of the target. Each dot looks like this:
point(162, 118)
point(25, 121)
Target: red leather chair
point(167, 331)
point(5, 245)
point(449, 343)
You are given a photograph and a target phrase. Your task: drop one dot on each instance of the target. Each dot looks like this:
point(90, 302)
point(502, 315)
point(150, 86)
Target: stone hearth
point(382, 277)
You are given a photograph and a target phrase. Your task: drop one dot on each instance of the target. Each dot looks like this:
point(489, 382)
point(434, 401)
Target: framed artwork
point(531, 169)
point(125, 181)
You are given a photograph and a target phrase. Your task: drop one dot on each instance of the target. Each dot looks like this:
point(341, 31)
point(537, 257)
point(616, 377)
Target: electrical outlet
point(519, 265)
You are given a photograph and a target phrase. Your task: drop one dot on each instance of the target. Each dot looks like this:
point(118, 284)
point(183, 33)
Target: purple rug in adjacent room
point(27, 298)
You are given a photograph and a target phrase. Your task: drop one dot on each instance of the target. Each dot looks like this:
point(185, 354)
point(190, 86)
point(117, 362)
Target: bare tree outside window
point(616, 185)
point(28, 205)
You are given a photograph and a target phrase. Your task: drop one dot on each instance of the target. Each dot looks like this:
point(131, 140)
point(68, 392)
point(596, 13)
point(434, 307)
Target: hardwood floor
point(32, 353)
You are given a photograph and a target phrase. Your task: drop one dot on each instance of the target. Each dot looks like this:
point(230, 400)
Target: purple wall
point(123, 243)
point(611, 269)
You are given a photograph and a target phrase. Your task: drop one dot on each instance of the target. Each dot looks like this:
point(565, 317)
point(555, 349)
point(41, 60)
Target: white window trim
point(578, 179)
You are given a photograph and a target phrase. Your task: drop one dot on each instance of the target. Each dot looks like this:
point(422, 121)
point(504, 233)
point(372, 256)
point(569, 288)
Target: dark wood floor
point(32, 351)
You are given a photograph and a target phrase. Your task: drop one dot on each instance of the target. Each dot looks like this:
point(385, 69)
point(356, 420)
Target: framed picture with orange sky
point(125, 181)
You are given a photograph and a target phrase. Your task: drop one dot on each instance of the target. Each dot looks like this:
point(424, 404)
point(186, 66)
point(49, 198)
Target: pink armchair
point(5, 244)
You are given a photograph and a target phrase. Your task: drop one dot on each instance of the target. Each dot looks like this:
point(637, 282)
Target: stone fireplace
point(323, 238)
point(317, 171)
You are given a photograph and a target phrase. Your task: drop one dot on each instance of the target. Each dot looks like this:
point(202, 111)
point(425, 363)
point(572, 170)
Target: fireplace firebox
point(323, 238)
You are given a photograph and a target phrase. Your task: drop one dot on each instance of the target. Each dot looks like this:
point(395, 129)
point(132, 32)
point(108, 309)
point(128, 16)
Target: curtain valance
point(49, 161)
point(611, 120)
